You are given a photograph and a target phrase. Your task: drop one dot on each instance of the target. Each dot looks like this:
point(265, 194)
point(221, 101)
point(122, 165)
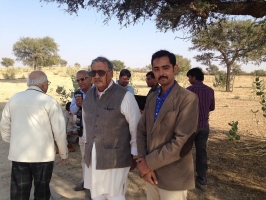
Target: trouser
point(21, 180)
point(82, 151)
point(201, 138)
point(155, 193)
point(108, 197)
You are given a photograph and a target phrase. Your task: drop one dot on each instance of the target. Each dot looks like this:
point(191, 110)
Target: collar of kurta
point(35, 88)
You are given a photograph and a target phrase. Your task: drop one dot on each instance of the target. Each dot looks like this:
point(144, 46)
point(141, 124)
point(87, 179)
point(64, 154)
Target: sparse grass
point(236, 97)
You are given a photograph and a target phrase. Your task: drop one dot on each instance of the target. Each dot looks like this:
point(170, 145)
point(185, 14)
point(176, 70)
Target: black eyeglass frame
point(82, 79)
point(101, 73)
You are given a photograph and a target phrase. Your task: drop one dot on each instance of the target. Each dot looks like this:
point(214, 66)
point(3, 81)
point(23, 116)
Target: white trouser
point(82, 151)
point(155, 193)
point(108, 197)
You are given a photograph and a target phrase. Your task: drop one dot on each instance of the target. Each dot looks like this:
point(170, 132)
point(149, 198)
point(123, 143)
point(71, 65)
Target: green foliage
point(118, 65)
point(77, 65)
point(232, 133)
point(10, 73)
point(260, 87)
point(220, 79)
point(183, 64)
point(259, 72)
point(63, 63)
point(65, 96)
point(212, 69)
point(168, 15)
point(230, 42)
point(36, 52)
point(74, 82)
point(7, 62)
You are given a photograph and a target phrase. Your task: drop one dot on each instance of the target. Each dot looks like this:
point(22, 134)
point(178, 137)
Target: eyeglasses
point(82, 79)
point(48, 82)
point(101, 73)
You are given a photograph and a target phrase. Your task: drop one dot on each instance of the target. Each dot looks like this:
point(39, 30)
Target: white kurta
point(113, 181)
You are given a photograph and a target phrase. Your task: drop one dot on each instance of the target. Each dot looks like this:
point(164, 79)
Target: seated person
point(71, 129)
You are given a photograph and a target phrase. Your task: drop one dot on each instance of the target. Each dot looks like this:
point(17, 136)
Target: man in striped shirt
point(206, 104)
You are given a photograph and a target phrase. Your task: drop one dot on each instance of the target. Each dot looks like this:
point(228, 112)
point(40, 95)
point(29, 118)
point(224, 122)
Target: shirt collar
point(101, 93)
point(34, 88)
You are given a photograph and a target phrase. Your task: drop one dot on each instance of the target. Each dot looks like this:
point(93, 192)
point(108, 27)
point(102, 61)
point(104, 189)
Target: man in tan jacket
point(166, 133)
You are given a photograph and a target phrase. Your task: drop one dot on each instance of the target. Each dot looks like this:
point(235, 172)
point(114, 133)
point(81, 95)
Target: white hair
point(37, 79)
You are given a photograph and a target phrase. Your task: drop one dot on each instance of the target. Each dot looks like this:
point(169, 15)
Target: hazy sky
point(84, 37)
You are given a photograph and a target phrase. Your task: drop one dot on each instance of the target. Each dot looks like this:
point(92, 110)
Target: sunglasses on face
point(82, 79)
point(101, 73)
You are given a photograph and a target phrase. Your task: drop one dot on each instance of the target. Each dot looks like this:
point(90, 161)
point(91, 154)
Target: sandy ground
point(233, 173)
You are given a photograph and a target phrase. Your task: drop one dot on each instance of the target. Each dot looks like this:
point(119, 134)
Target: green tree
point(63, 63)
point(36, 52)
point(168, 14)
point(212, 69)
point(230, 42)
point(118, 65)
point(183, 64)
point(77, 65)
point(7, 62)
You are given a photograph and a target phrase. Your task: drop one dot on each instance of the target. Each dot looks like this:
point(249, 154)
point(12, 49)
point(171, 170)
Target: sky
point(84, 37)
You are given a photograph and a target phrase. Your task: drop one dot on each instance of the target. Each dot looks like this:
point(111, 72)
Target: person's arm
point(59, 129)
point(130, 109)
point(73, 106)
point(5, 124)
point(185, 126)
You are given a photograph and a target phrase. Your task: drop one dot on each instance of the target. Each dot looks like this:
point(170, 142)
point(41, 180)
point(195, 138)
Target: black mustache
point(162, 77)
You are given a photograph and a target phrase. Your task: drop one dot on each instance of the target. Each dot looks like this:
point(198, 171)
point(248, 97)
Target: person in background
point(84, 82)
point(32, 122)
point(124, 78)
point(166, 133)
point(206, 104)
point(151, 82)
point(111, 116)
point(71, 128)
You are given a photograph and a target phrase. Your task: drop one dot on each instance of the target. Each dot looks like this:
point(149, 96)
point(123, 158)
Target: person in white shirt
point(110, 116)
point(31, 122)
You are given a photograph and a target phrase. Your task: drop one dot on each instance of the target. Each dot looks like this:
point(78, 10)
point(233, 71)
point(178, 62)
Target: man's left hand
point(151, 178)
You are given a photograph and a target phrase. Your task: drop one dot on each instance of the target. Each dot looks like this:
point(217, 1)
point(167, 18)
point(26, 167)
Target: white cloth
point(31, 121)
point(70, 120)
point(113, 182)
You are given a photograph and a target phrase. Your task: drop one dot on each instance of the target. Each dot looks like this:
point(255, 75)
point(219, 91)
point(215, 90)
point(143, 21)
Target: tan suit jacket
point(167, 142)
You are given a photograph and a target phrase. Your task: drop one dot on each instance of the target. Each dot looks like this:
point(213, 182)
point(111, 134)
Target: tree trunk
point(227, 88)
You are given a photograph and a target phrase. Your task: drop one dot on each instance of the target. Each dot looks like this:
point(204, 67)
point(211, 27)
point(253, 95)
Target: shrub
point(9, 73)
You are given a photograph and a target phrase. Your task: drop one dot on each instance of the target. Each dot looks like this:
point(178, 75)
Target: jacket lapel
point(167, 106)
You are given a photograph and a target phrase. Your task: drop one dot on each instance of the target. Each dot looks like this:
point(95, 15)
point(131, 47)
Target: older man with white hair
point(31, 122)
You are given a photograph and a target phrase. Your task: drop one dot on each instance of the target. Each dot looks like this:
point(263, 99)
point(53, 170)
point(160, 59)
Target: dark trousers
point(201, 138)
point(21, 180)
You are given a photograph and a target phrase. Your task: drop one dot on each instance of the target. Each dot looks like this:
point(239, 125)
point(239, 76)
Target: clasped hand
point(145, 172)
